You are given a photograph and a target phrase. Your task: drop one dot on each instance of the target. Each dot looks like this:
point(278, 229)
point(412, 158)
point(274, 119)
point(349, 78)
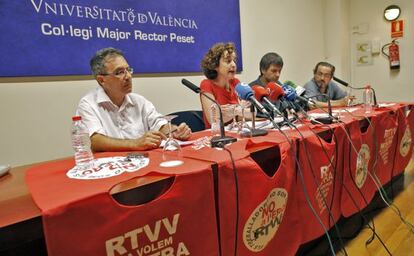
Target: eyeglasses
point(120, 72)
point(323, 75)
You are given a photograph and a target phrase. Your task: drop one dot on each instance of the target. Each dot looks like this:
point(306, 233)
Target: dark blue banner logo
point(58, 37)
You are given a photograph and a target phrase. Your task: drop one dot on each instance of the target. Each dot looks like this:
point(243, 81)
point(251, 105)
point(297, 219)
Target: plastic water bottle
point(215, 119)
point(368, 98)
point(81, 143)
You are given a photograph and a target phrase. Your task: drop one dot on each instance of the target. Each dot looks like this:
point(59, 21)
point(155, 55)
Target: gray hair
point(98, 61)
point(270, 58)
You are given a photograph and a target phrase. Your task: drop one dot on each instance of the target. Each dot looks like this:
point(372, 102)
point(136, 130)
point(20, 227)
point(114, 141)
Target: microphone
point(300, 90)
point(356, 88)
point(291, 95)
point(216, 141)
point(192, 86)
point(341, 81)
point(245, 92)
point(262, 94)
point(290, 83)
point(275, 91)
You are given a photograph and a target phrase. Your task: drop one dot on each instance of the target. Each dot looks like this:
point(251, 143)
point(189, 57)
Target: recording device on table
point(4, 169)
point(216, 141)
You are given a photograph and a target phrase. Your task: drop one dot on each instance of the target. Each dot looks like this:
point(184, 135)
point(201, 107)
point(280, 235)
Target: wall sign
point(58, 37)
point(397, 28)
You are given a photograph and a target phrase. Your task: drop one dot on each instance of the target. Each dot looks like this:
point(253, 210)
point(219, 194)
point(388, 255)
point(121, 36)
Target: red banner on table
point(172, 224)
point(385, 133)
point(404, 151)
point(358, 176)
point(80, 217)
point(319, 182)
point(268, 220)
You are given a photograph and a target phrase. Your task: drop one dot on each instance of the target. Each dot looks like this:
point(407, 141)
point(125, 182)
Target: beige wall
point(36, 113)
point(389, 85)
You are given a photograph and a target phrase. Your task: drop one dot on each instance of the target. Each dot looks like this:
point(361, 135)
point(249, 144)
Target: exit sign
point(397, 28)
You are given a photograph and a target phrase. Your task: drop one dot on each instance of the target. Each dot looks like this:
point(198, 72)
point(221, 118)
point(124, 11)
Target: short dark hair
point(211, 59)
point(97, 62)
point(270, 58)
point(325, 64)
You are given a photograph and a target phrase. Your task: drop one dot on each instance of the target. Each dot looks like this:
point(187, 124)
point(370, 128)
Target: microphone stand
point(325, 120)
point(216, 141)
point(256, 132)
point(356, 88)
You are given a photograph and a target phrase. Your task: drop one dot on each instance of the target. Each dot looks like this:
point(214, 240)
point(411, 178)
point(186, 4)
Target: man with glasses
point(322, 84)
point(117, 119)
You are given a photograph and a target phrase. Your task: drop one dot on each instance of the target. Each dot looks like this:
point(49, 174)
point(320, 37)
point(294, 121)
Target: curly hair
point(211, 59)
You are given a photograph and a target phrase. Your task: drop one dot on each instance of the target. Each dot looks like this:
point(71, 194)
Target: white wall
point(36, 116)
point(389, 85)
point(337, 36)
point(292, 28)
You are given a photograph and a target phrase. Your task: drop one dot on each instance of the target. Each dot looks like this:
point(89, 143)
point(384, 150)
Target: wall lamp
point(392, 12)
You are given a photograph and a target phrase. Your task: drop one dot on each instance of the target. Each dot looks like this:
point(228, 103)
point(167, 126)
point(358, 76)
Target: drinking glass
point(350, 100)
point(244, 130)
point(234, 125)
point(171, 152)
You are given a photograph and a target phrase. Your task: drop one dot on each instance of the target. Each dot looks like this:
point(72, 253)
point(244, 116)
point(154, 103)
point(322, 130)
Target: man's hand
point(150, 140)
point(349, 100)
point(182, 132)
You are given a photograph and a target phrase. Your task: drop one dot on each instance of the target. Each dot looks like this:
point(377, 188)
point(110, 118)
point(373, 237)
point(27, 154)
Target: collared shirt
point(131, 120)
point(334, 92)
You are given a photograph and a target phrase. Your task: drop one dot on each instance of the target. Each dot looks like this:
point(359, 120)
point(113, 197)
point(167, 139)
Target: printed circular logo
point(265, 220)
point(405, 144)
point(108, 167)
point(362, 165)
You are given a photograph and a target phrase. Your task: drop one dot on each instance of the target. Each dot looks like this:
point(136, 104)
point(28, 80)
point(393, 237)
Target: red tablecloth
point(80, 217)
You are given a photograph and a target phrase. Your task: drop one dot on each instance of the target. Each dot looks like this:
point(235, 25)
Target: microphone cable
point(360, 192)
point(334, 167)
point(236, 184)
point(349, 193)
point(375, 179)
point(383, 194)
point(306, 193)
point(372, 228)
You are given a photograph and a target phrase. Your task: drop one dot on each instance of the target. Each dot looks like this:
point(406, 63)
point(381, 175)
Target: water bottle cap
point(368, 86)
point(76, 118)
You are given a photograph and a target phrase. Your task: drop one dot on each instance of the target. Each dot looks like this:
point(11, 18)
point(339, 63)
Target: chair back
point(193, 118)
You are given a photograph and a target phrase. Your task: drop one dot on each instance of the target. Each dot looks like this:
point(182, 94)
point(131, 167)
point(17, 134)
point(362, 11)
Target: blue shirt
point(334, 92)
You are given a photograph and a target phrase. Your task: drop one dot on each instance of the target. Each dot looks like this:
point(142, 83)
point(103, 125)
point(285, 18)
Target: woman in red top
point(219, 66)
